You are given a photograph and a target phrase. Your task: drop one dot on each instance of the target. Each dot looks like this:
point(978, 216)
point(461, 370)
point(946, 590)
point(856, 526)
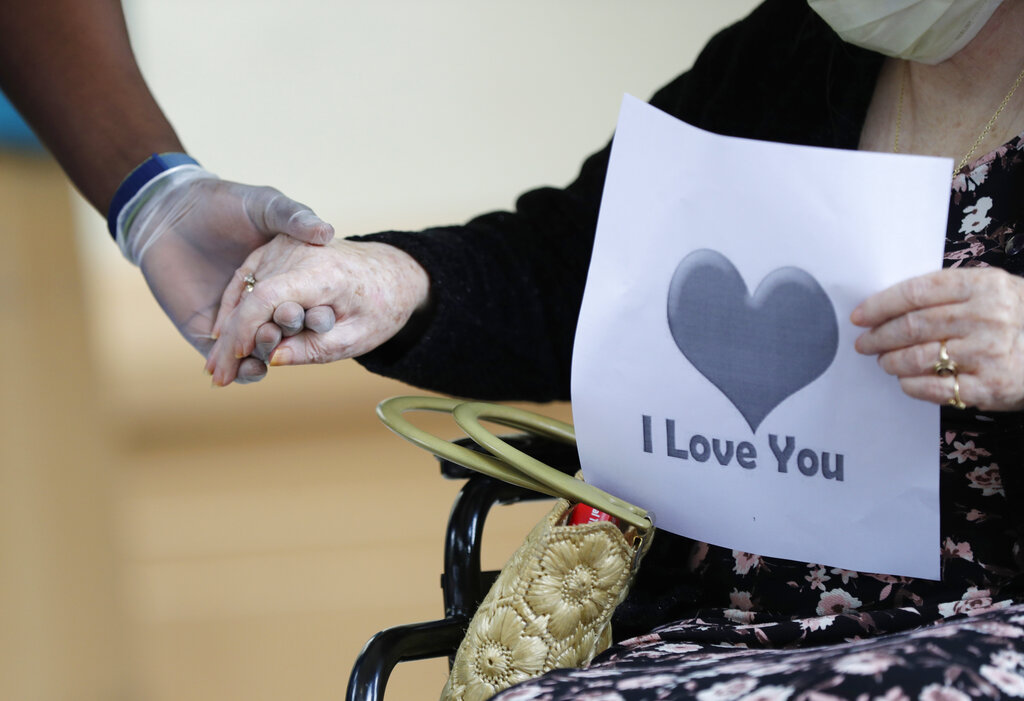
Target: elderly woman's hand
point(372, 289)
point(977, 312)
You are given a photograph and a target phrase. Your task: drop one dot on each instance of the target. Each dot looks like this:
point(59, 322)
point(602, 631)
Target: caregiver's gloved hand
point(371, 288)
point(189, 231)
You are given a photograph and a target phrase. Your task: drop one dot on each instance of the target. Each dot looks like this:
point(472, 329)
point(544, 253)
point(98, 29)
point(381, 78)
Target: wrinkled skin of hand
point(192, 239)
point(978, 312)
point(372, 288)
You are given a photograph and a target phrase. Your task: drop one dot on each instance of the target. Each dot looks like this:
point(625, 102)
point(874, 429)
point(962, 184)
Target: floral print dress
point(747, 627)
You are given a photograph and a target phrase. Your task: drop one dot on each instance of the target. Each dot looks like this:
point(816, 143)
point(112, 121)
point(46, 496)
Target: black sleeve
point(507, 286)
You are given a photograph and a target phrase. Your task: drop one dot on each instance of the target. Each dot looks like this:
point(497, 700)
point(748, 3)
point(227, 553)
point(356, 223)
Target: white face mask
point(929, 31)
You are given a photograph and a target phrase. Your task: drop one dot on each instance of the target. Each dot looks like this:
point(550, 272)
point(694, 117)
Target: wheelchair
point(463, 584)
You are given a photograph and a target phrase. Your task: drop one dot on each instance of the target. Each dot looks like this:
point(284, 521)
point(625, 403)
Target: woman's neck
point(945, 107)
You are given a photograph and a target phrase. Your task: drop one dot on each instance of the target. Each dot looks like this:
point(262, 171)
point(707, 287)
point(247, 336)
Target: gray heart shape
point(759, 349)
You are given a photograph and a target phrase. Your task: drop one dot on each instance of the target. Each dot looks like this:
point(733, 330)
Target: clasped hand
point(191, 234)
point(371, 290)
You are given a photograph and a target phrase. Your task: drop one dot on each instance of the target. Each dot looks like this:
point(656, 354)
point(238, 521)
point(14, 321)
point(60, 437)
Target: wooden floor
point(256, 569)
point(266, 532)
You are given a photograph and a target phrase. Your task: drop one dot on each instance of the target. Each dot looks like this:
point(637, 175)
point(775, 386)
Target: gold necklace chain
point(984, 132)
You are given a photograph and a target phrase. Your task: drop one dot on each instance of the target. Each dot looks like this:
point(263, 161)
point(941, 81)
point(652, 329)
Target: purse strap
point(505, 462)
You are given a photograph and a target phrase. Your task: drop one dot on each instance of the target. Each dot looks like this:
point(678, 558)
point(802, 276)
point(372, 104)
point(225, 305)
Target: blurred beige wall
point(261, 533)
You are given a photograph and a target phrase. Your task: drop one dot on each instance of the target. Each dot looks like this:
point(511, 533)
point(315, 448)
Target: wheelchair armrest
point(415, 641)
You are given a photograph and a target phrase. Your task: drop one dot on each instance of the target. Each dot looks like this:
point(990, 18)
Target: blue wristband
point(137, 179)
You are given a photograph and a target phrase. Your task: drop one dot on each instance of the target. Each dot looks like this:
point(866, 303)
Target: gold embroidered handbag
point(552, 603)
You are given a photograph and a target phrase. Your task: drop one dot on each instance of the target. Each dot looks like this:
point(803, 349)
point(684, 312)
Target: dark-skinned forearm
point(68, 67)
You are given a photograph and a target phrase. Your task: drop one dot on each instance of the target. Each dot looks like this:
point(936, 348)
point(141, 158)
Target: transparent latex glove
point(371, 288)
point(188, 231)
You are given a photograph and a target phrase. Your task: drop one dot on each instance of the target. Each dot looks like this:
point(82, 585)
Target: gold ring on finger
point(946, 366)
point(955, 400)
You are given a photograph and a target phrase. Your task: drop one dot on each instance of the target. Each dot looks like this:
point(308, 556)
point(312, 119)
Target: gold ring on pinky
point(250, 281)
point(946, 365)
point(955, 400)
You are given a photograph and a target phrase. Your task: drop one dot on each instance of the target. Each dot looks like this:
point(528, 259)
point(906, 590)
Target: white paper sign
point(715, 381)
